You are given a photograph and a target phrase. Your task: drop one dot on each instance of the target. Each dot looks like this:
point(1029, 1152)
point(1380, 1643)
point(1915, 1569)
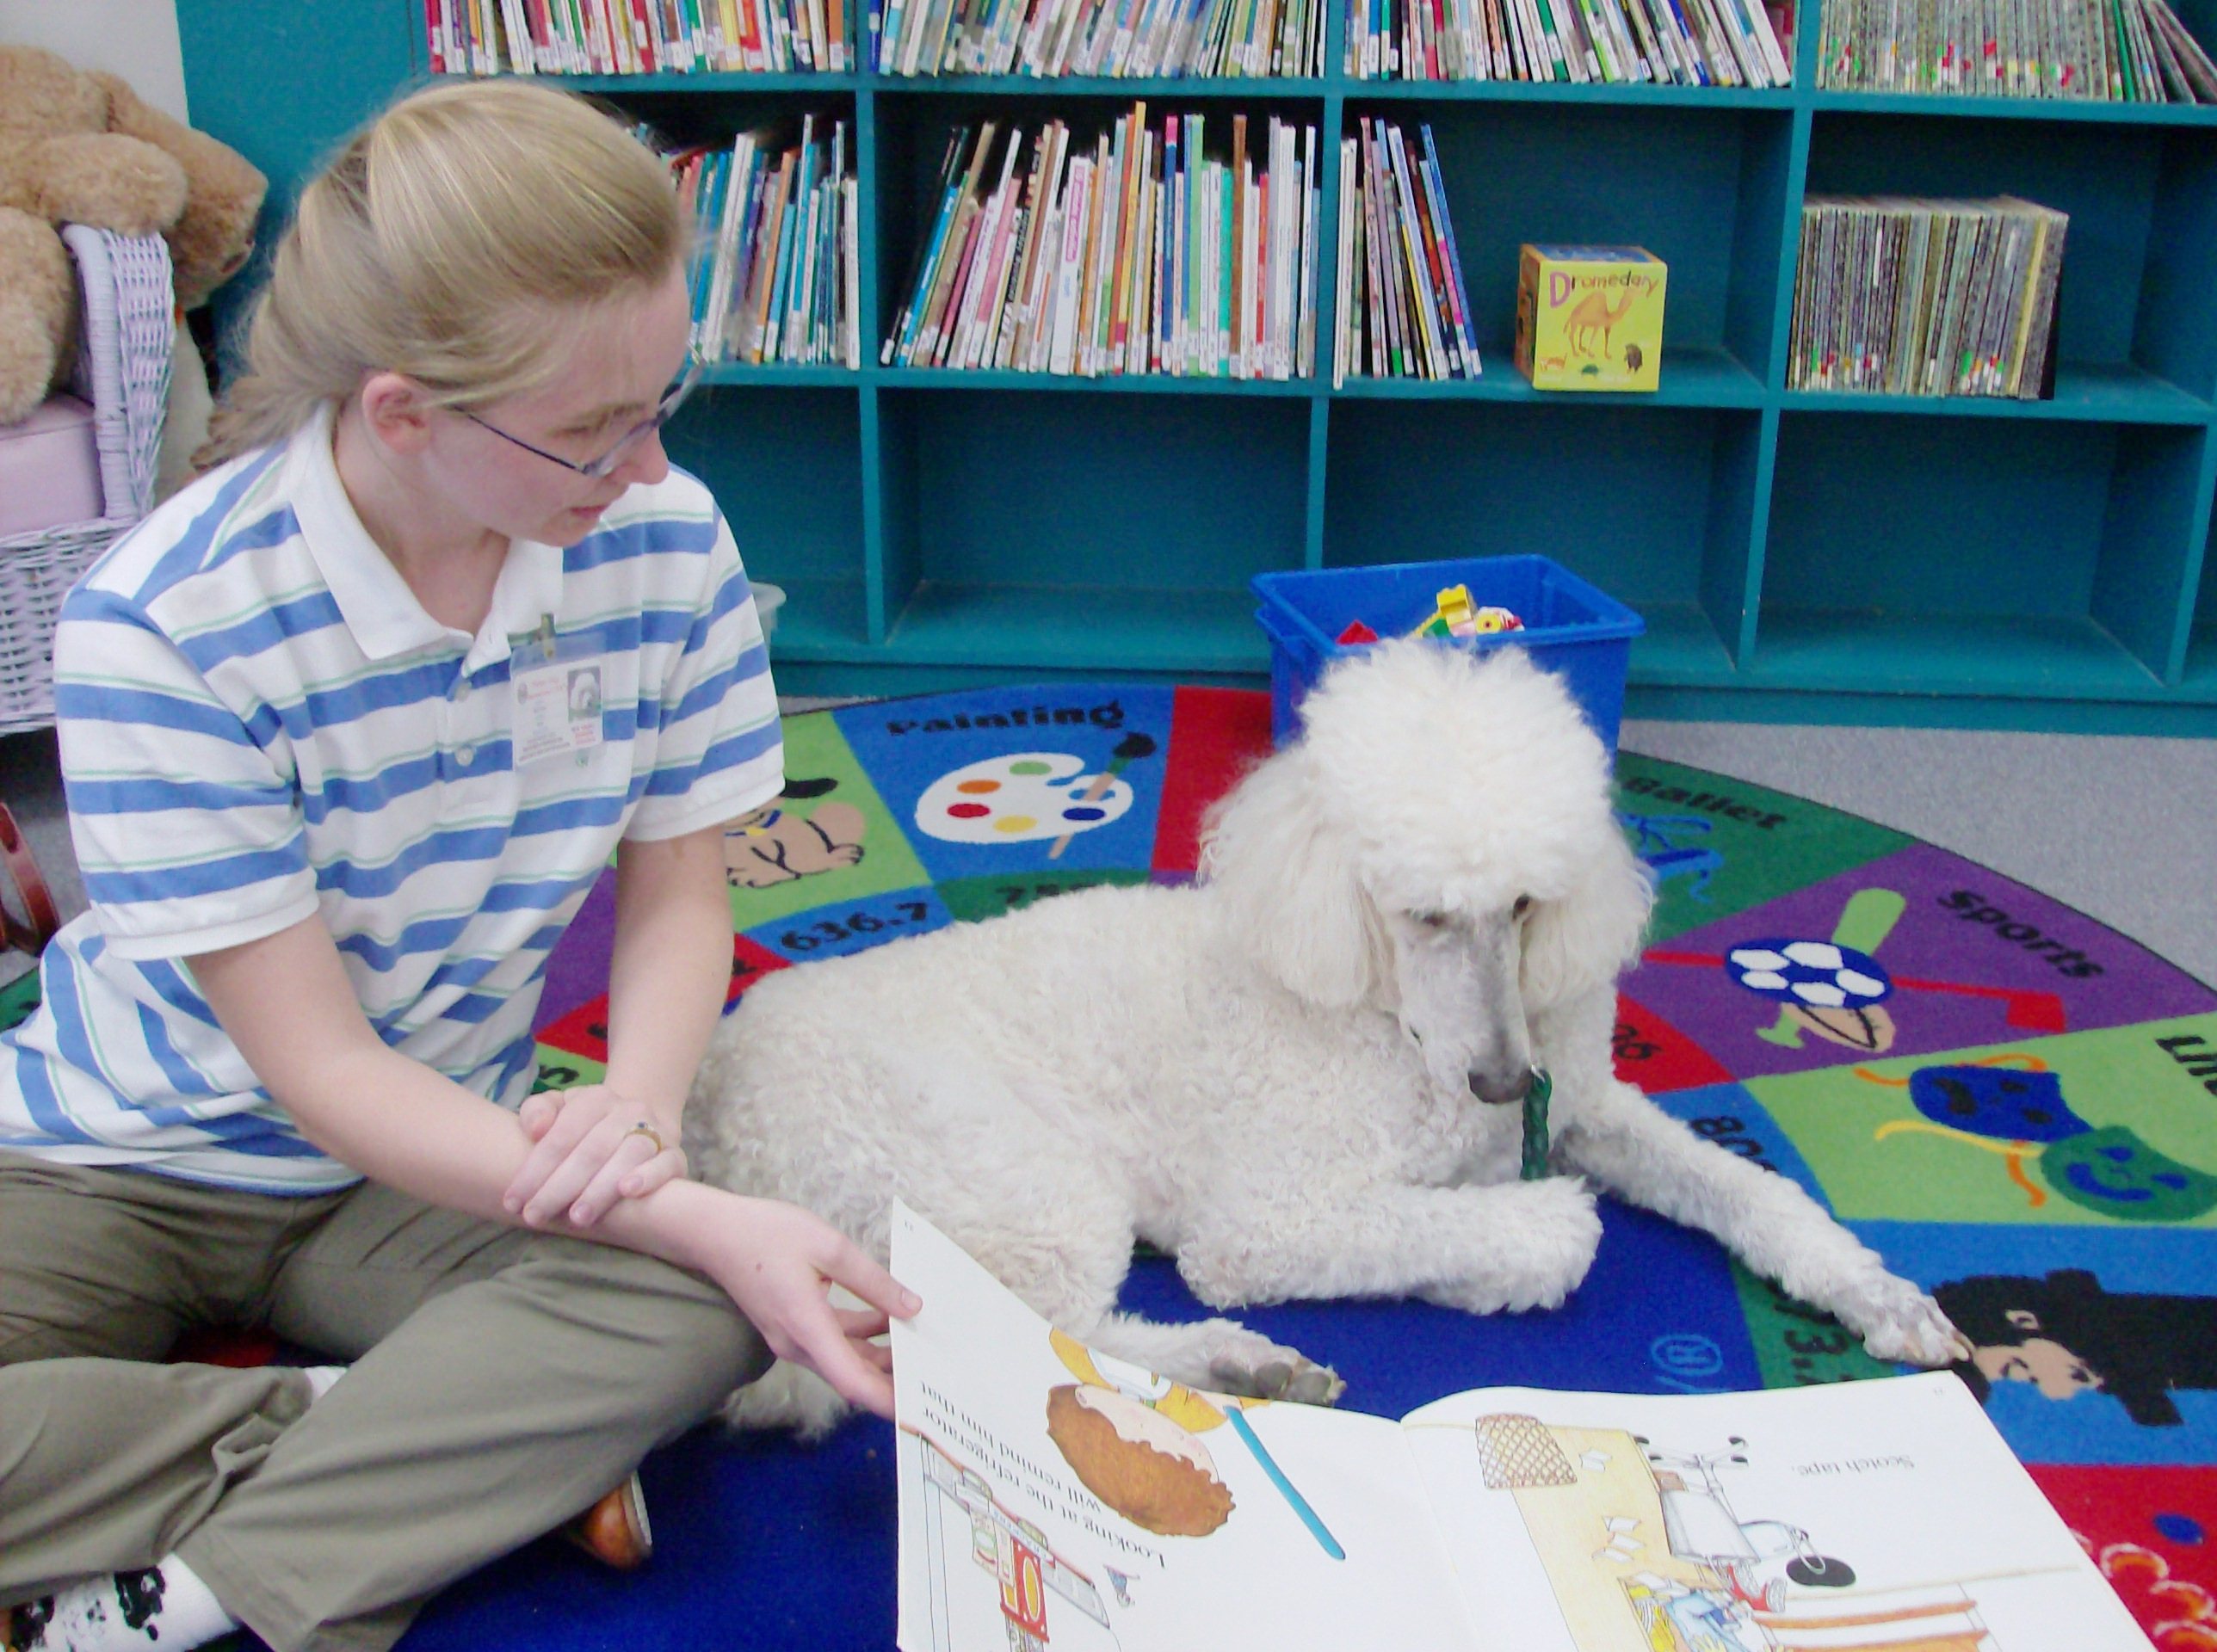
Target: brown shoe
point(28, 917)
point(614, 1530)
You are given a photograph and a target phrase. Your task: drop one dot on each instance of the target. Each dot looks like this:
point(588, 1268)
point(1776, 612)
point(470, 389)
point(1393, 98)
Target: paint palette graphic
point(1020, 798)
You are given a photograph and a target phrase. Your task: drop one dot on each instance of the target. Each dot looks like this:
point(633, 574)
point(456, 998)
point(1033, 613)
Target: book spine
point(1437, 183)
point(1312, 208)
point(942, 233)
point(1066, 277)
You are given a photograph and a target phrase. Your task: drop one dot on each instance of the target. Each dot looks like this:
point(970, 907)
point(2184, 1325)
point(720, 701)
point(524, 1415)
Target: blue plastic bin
point(1575, 631)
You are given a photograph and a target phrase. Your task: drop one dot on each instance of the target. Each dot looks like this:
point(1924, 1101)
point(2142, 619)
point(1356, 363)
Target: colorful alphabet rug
point(2016, 1106)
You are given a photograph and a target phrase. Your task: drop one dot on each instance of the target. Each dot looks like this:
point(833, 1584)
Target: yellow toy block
point(1455, 614)
point(1590, 318)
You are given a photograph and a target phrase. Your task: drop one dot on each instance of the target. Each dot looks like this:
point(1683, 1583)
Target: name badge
point(558, 683)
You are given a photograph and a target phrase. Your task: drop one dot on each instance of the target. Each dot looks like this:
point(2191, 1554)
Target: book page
point(1050, 1496)
point(1880, 1514)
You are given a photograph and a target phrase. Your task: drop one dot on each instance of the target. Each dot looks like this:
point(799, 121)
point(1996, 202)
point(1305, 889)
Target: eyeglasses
point(672, 399)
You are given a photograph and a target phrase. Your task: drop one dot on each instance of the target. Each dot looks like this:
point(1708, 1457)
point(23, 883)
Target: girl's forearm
point(431, 1138)
point(287, 1003)
point(669, 970)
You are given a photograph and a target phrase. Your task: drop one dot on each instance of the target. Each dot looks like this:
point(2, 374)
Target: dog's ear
point(1287, 884)
point(1588, 937)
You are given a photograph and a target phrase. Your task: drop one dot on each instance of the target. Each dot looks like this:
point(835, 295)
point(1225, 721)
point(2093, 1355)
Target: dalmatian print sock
point(165, 1606)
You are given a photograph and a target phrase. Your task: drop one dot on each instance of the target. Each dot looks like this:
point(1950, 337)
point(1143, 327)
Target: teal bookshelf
point(1799, 556)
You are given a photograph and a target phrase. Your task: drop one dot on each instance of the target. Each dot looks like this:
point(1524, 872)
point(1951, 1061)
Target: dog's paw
point(1287, 1377)
point(1548, 1232)
point(1268, 1370)
point(1896, 1321)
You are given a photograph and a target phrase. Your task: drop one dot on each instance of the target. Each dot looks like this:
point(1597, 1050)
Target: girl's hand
point(594, 1148)
point(778, 1262)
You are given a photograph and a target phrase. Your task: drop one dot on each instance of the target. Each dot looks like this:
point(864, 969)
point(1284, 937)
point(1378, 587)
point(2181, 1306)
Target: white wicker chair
point(123, 370)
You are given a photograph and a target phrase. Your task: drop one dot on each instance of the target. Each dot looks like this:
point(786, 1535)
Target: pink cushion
point(49, 468)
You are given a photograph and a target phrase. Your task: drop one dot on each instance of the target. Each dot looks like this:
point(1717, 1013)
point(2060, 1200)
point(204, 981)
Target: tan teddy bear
point(82, 149)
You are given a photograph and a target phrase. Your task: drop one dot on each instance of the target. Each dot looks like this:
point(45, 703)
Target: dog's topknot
point(1416, 741)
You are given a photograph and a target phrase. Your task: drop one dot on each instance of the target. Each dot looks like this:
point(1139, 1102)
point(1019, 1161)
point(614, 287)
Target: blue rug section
point(867, 920)
point(2130, 1304)
point(1729, 1116)
point(963, 773)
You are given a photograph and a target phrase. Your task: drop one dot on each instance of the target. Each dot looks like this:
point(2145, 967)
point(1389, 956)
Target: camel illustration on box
point(1590, 318)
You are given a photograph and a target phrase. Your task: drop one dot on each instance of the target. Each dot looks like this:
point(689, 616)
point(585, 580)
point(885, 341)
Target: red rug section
point(1218, 735)
point(2153, 1532)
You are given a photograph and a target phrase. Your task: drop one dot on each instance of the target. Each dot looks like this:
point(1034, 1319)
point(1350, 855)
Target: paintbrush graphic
point(1131, 748)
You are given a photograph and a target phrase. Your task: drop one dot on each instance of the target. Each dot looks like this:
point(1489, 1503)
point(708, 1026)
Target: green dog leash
point(1536, 1126)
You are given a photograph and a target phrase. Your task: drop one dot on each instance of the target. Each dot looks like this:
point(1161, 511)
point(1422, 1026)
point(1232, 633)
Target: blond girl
point(349, 728)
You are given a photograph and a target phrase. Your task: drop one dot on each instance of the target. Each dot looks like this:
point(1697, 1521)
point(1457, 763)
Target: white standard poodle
point(1300, 1076)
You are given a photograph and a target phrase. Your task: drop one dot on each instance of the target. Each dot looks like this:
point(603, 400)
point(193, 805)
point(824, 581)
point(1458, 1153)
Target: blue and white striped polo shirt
point(260, 723)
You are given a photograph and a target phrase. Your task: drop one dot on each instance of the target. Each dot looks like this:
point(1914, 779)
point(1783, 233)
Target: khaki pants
point(502, 1382)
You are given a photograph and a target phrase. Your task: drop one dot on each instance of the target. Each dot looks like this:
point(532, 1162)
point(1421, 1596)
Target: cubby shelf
point(1798, 554)
point(2201, 116)
point(2116, 392)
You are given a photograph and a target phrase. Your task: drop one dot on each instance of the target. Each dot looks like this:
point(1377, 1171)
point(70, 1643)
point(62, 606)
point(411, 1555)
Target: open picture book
point(1053, 1496)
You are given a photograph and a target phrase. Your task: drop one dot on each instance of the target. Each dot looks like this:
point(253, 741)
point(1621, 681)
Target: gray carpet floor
point(2124, 829)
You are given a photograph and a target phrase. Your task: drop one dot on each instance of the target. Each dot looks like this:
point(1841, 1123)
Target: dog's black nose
point(1496, 1092)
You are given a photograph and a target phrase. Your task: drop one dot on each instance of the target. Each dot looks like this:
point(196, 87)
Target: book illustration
point(1639, 1538)
point(1133, 1437)
point(1876, 1516)
point(2012, 1105)
point(774, 845)
point(1122, 1509)
point(1838, 989)
point(1028, 797)
point(1015, 1553)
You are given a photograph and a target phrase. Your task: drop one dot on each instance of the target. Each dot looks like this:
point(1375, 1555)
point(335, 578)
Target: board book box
point(1052, 1497)
point(1590, 318)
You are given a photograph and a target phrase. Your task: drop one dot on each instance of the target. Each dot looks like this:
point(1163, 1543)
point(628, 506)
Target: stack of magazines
point(637, 37)
point(1140, 252)
point(1667, 42)
point(1115, 38)
point(1926, 298)
point(2108, 51)
point(1403, 309)
point(773, 270)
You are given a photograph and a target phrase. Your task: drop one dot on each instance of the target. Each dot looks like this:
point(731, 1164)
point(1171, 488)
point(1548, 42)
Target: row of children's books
point(774, 274)
point(1926, 297)
point(1403, 309)
point(1229, 39)
point(1224, 39)
point(2112, 51)
point(1140, 252)
point(1664, 42)
point(1683, 42)
point(637, 37)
